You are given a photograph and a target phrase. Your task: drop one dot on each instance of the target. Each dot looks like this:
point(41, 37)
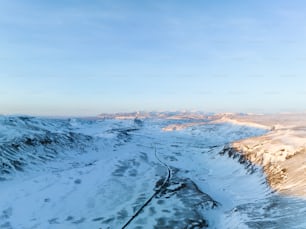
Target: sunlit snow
point(108, 173)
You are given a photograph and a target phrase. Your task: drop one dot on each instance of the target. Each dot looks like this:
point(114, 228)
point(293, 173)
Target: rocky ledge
point(281, 151)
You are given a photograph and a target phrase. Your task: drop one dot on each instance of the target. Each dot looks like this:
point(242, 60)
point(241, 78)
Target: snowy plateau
point(141, 173)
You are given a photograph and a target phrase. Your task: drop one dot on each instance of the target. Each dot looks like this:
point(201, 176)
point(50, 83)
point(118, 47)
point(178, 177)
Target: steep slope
point(281, 152)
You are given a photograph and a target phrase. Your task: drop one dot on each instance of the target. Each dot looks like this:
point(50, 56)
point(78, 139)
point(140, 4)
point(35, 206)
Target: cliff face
point(281, 152)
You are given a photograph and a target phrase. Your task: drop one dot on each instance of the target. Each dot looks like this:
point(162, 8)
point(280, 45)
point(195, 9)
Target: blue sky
point(72, 57)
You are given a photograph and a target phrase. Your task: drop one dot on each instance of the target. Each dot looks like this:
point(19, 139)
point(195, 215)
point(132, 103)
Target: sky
point(73, 57)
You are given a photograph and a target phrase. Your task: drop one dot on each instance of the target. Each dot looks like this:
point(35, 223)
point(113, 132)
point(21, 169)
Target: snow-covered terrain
point(117, 173)
point(281, 151)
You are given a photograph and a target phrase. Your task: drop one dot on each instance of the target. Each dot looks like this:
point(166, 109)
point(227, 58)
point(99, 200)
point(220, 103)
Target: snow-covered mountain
point(130, 173)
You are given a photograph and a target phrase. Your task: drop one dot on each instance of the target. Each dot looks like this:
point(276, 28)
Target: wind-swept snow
point(282, 151)
point(103, 171)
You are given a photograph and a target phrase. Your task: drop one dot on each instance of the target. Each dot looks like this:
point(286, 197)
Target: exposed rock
point(281, 152)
